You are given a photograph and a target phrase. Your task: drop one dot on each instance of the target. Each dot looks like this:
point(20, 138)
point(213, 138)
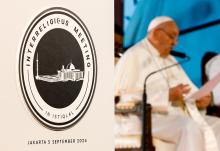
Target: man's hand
point(204, 102)
point(177, 93)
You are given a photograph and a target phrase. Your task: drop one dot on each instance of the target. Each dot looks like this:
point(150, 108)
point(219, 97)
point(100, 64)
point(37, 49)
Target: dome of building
point(71, 66)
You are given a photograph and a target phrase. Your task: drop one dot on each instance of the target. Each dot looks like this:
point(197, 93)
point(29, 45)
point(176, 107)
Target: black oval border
point(39, 118)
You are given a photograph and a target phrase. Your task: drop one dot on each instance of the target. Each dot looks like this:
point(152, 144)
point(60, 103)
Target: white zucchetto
point(157, 21)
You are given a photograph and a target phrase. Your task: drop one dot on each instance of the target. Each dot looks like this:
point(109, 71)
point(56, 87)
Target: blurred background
point(198, 21)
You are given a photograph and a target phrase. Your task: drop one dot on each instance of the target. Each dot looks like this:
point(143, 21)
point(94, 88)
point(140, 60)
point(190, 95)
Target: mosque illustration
point(65, 74)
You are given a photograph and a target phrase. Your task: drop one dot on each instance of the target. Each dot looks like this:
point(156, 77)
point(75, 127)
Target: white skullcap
point(157, 21)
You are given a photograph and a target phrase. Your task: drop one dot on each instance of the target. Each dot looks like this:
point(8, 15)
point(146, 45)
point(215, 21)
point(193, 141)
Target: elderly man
point(166, 90)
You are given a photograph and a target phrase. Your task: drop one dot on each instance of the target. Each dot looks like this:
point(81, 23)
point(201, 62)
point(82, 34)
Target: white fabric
point(212, 69)
point(157, 21)
point(174, 125)
point(124, 126)
point(134, 142)
point(210, 139)
point(210, 142)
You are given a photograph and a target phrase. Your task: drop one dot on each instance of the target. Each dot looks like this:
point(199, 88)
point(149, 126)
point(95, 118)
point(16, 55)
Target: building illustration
point(70, 73)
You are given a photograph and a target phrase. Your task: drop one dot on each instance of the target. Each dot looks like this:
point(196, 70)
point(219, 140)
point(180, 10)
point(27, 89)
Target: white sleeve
point(158, 93)
point(126, 73)
point(212, 69)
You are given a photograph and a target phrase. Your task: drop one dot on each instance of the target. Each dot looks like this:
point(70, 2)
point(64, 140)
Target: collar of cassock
point(153, 50)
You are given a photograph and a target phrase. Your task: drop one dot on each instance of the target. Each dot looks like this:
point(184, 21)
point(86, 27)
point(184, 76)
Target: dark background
point(56, 48)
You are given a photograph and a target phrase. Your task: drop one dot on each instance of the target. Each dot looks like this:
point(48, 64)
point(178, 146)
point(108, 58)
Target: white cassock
point(170, 122)
point(212, 69)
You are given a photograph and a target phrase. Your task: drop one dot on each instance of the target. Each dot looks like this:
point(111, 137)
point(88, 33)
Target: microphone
point(147, 144)
point(187, 58)
point(178, 54)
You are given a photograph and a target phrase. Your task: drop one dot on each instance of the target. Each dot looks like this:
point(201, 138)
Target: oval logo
point(57, 68)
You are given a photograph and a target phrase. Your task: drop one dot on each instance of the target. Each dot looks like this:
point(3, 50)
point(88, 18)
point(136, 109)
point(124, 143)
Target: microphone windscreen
point(178, 54)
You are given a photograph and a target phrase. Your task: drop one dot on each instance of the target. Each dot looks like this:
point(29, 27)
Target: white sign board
point(56, 75)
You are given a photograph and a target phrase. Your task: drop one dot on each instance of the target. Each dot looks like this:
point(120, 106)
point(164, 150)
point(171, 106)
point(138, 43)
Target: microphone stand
point(146, 141)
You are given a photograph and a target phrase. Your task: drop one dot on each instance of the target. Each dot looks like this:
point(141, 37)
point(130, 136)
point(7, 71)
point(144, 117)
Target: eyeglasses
point(171, 36)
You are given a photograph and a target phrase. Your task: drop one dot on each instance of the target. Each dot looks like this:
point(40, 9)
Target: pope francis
point(173, 120)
